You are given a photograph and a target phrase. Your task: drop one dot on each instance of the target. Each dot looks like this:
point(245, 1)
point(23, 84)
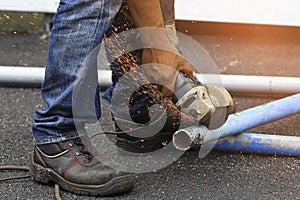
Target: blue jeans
point(79, 26)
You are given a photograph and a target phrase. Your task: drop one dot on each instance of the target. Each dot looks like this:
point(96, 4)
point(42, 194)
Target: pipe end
point(182, 140)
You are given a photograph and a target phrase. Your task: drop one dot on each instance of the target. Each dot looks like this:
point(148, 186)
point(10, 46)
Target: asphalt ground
point(220, 175)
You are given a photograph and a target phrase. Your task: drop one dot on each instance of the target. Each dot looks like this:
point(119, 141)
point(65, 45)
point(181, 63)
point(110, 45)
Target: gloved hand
point(164, 68)
point(162, 58)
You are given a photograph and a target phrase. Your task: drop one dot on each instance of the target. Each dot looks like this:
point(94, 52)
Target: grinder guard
point(208, 104)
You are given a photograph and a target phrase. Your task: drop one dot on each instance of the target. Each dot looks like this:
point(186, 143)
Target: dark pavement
point(221, 175)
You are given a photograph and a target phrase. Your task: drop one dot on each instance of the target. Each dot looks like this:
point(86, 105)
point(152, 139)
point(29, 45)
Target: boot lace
point(83, 149)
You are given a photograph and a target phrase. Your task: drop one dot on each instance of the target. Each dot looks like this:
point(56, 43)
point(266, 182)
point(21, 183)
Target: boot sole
point(116, 185)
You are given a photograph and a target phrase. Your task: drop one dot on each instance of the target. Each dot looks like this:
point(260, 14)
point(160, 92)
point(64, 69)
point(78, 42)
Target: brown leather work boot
point(72, 167)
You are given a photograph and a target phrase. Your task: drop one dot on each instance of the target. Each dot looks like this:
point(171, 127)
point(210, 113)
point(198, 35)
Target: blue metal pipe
point(261, 144)
point(239, 122)
point(257, 116)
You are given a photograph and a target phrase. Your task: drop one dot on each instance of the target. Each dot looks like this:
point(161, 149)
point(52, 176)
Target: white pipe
point(21, 75)
point(255, 84)
point(33, 76)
